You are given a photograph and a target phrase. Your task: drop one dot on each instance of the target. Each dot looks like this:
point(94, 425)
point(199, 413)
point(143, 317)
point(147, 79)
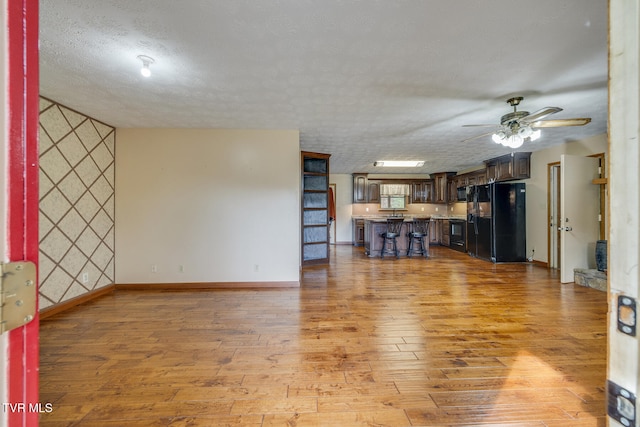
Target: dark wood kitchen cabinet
point(358, 232)
point(359, 188)
point(477, 178)
point(373, 191)
point(444, 233)
point(440, 188)
point(509, 167)
point(435, 231)
point(315, 208)
point(452, 189)
point(365, 190)
point(422, 191)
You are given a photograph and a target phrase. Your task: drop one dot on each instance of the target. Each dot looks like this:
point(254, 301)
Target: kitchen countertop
point(384, 218)
point(408, 217)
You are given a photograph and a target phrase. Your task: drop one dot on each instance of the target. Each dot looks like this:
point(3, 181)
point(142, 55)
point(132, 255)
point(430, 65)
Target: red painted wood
point(22, 193)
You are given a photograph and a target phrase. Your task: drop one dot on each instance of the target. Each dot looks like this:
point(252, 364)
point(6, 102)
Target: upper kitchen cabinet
point(509, 167)
point(315, 208)
point(440, 186)
point(478, 177)
point(373, 191)
point(452, 189)
point(422, 191)
point(360, 188)
point(365, 190)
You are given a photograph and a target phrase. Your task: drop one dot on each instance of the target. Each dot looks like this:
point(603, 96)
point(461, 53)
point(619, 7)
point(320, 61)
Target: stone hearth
point(590, 278)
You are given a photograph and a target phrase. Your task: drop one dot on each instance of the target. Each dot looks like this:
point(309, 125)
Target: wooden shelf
point(600, 181)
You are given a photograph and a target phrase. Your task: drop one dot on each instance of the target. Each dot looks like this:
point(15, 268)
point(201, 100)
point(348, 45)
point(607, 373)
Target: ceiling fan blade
point(546, 111)
point(477, 136)
point(561, 122)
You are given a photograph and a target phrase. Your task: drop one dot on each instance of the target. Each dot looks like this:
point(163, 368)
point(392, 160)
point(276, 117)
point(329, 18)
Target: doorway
point(566, 199)
point(332, 214)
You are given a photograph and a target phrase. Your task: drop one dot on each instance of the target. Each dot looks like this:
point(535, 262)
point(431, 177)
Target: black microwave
point(462, 194)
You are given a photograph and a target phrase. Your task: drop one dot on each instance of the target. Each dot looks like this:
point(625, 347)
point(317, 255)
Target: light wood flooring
point(446, 341)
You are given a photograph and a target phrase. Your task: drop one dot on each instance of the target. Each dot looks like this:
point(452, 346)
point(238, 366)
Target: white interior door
point(580, 209)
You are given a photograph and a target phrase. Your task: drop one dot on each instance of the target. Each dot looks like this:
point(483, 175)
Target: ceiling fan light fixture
point(535, 135)
point(399, 163)
point(514, 141)
point(525, 131)
point(499, 137)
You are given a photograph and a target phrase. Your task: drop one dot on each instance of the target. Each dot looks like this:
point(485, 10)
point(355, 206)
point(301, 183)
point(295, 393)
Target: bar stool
point(394, 225)
point(419, 234)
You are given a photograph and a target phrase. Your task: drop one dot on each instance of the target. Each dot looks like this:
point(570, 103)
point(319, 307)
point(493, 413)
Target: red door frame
point(22, 193)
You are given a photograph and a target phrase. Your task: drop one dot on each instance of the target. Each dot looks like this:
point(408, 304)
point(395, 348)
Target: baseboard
point(540, 263)
point(205, 285)
point(81, 299)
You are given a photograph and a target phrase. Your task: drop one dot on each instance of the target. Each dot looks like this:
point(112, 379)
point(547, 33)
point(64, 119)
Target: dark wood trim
point(205, 285)
point(66, 305)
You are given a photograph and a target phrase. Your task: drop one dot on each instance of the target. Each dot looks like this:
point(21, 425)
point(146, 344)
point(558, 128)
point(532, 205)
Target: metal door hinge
point(18, 293)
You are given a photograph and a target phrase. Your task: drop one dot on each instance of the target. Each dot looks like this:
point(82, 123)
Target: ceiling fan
point(518, 126)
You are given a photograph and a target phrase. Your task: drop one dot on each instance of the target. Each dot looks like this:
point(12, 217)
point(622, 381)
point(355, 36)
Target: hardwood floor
point(448, 341)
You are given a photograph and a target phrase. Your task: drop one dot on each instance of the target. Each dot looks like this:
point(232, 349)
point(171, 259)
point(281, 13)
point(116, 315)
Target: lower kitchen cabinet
point(444, 233)
point(435, 231)
point(358, 232)
point(439, 232)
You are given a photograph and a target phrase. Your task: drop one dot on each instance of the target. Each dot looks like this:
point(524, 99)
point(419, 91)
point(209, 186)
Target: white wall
point(223, 204)
point(537, 233)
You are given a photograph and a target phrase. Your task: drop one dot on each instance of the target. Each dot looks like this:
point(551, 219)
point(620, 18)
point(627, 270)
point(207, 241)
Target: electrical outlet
point(154, 268)
point(256, 268)
point(85, 277)
point(181, 268)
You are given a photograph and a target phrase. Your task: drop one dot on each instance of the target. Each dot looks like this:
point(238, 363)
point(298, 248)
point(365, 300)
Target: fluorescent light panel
point(399, 163)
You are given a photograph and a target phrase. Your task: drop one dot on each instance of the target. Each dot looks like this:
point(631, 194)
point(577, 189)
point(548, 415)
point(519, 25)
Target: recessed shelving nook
point(315, 208)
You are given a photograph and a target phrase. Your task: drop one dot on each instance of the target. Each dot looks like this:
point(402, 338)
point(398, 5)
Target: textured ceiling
point(361, 80)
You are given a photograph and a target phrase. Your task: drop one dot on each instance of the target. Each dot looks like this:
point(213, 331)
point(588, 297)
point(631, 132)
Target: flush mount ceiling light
point(146, 61)
point(399, 163)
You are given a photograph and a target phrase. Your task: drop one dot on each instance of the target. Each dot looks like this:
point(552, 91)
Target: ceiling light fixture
point(399, 163)
point(515, 135)
point(146, 61)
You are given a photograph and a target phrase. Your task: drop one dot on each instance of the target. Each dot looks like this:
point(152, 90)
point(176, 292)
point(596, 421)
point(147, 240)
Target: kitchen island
point(373, 227)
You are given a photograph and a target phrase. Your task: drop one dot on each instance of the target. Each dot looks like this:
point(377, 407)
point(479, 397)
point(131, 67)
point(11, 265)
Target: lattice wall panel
point(76, 203)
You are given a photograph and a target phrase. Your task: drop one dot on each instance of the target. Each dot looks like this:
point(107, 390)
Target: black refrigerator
point(496, 222)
